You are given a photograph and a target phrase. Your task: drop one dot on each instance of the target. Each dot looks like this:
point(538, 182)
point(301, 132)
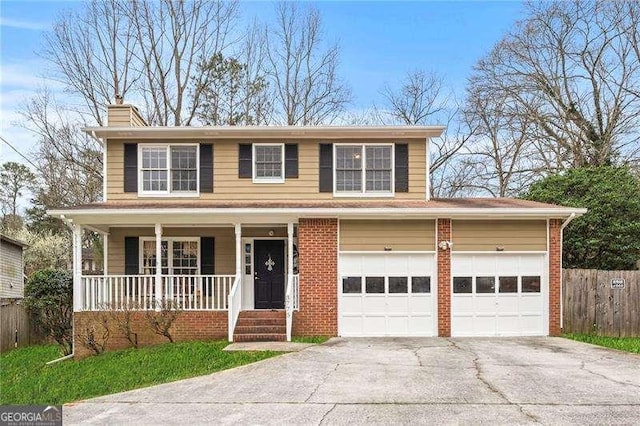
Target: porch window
point(179, 256)
point(168, 169)
point(363, 169)
point(268, 163)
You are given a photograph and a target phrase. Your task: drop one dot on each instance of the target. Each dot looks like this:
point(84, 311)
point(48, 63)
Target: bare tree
point(500, 154)
point(171, 38)
point(91, 51)
point(420, 99)
point(69, 161)
point(307, 88)
point(571, 69)
point(140, 49)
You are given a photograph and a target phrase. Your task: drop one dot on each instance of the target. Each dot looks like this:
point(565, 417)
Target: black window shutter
point(207, 256)
point(326, 167)
point(130, 167)
point(402, 167)
point(131, 256)
point(245, 160)
point(291, 160)
point(206, 167)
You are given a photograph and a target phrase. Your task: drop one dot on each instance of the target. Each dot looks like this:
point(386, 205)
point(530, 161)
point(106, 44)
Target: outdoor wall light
point(499, 248)
point(444, 245)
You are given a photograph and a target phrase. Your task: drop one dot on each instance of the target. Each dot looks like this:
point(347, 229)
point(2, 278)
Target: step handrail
point(235, 299)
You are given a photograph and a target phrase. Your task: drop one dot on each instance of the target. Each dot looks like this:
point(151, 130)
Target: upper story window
point(362, 170)
point(168, 169)
point(268, 163)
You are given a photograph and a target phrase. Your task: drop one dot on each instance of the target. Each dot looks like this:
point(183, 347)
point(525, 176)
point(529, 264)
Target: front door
point(268, 274)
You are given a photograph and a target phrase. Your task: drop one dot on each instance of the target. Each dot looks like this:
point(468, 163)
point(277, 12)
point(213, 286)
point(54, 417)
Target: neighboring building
point(11, 269)
point(334, 223)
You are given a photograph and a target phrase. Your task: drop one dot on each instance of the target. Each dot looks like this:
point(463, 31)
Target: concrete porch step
point(261, 337)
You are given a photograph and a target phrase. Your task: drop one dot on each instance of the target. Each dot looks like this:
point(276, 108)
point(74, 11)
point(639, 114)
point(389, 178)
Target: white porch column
point(238, 228)
point(158, 286)
point(289, 250)
point(105, 254)
point(78, 288)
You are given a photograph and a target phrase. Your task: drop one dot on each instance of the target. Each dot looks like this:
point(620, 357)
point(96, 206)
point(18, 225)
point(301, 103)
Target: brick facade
point(444, 279)
point(555, 275)
point(318, 267)
point(190, 325)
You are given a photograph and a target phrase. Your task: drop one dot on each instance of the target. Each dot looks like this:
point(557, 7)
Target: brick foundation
point(190, 325)
point(318, 267)
point(555, 276)
point(444, 279)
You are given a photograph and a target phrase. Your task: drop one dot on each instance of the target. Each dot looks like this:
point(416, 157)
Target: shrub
point(93, 331)
point(49, 299)
point(161, 320)
point(607, 236)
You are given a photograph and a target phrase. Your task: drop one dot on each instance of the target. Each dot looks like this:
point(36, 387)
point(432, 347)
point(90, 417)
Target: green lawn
point(25, 379)
point(310, 339)
point(627, 344)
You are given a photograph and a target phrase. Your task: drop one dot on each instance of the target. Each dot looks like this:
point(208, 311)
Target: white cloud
point(22, 24)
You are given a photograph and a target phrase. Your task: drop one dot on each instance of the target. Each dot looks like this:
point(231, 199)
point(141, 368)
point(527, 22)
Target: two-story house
point(267, 231)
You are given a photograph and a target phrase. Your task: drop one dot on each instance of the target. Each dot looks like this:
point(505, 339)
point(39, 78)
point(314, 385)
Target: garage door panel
point(373, 324)
point(420, 305)
point(397, 305)
point(351, 305)
point(397, 326)
point(496, 313)
point(375, 305)
point(351, 326)
point(462, 305)
point(484, 304)
point(387, 314)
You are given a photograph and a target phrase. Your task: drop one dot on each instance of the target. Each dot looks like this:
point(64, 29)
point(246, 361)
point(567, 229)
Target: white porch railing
point(291, 301)
point(190, 292)
point(235, 305)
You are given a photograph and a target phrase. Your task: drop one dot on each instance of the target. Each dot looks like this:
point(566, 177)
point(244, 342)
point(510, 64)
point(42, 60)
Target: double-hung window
point(268, 163)
point(168, 169)
point(363, 169)
point(179, 256)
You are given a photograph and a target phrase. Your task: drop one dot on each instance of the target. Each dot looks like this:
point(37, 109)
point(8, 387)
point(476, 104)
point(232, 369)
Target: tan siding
point(375, 235)
point(137, 120)
point(486, 235)
point(118, 115)
point(224, 243)
point(227, 185)
point(11, 271)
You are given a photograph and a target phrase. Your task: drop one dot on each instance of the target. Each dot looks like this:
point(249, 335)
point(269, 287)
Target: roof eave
point(531, 212)
point(265, 132)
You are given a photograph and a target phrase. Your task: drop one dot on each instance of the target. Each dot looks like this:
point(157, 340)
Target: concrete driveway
point(392, 381)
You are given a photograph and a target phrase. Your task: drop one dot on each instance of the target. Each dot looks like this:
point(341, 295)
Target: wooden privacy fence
point(15, 324)
point(597, 302)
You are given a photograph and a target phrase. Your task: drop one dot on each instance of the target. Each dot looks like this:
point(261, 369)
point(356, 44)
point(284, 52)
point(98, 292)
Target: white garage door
point(386, 294)
point(499, 295)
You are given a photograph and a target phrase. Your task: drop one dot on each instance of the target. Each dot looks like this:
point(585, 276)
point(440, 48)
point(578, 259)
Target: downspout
point(564, 225)
point(64, 358)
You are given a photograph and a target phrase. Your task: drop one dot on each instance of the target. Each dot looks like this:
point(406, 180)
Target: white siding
point(11, 271)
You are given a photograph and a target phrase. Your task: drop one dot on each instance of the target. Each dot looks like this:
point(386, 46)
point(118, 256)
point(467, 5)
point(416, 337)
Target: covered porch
point(206, 265)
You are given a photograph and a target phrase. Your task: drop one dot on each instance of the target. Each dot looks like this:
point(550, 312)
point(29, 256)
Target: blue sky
point(380, 42)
